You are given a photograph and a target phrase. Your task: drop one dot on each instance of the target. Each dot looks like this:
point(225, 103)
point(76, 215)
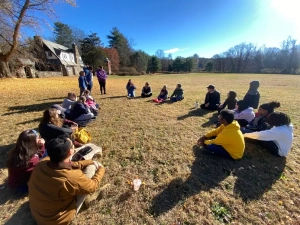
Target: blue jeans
point(131, 93)
point(219, 150)
point(177, 98)
point(90, 86)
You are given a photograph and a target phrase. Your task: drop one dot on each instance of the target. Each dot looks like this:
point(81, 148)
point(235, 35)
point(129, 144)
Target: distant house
point(56, 59)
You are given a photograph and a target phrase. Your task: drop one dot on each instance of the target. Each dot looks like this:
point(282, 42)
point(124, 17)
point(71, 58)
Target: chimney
point(76, 53)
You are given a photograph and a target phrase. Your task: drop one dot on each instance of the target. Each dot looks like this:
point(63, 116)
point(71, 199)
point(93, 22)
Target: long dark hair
point(231, 95)
point(242, 105)
point(270, 106)
point(25, 148)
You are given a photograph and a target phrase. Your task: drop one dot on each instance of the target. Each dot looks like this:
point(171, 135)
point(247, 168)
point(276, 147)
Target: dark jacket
point(163, 94)
point(212, 98)
point(88, 75)
point(78, 110)
point(177, 92)
point(147, 90)
point(49, 131)
point(230, 103)
point(252, 96)
point(259, 123)
point(82, 82)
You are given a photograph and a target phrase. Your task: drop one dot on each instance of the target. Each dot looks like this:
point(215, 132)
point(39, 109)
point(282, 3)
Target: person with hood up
point(243, 114)
point(260, 121)
point(278, 140)
point(227, 140)
point(252, 96)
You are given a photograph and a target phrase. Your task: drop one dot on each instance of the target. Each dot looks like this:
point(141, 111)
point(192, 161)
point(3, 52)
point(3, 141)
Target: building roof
point(56, 49)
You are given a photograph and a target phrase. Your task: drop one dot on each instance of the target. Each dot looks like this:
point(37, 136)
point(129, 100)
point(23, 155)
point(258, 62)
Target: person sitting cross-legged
point(177, 94)
point(278, 140)
point(227, 140)
point(58, 186)
point(212, 99)
point(147, 91)
point(163, 95)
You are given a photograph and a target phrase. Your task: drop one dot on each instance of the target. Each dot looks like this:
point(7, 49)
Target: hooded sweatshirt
point(252, 96)
point(230, 138)
point(281, 135)
point(247, 114)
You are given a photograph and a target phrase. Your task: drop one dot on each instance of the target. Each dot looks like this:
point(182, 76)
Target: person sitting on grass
point(212, 99)
point(22, 159)
point(260, 121)
point(227, 140)
point(278, 140)
point(252, 96)
point(69, 101)
point(177, 94)
point(243, 114)
point(81, 111)
point(147, 91)
point(130, 89)
point(230, 102)
point(163, 95)
point(58, 187)
point(52, 125)
point(127, 86)
point(94, 107)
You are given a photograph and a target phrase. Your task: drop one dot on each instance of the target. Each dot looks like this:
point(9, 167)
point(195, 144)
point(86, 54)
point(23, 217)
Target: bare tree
point(15, 15)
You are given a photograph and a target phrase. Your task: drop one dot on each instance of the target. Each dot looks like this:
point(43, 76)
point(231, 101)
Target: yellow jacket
point(230, 138)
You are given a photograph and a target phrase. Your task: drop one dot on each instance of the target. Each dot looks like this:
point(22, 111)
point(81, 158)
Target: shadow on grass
point(195, 112)
point(255, 174)
point(30, 121)
point(30, 108)
point(3, 154)
point(22, 216)
point(56, 98)
point(113, 97)
point(211, 121)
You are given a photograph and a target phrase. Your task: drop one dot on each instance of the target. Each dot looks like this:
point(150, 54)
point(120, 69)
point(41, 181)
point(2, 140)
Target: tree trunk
point(4, 70)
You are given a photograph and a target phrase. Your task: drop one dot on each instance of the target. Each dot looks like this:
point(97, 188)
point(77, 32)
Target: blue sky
point(186, 27)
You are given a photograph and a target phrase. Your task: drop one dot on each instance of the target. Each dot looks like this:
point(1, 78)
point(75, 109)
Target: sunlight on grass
point(156, 142)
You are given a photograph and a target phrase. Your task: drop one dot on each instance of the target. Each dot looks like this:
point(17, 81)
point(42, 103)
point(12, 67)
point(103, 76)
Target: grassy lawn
point(182, 185)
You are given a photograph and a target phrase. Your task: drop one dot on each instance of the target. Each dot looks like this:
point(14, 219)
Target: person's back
point(78, 110)
point(252, 96)
point(54, 186)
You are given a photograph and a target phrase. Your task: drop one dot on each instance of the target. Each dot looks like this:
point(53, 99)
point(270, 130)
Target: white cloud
point(173, 50)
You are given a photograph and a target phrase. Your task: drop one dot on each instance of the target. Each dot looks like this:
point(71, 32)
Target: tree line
point(16, 16)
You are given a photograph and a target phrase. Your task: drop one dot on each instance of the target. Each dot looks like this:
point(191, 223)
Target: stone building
point(56, 59)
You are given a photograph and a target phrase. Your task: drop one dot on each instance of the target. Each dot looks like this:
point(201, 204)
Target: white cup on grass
point(137, 184)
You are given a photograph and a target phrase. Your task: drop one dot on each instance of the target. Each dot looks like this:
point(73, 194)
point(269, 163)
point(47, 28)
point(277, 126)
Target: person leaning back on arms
point(58, 186)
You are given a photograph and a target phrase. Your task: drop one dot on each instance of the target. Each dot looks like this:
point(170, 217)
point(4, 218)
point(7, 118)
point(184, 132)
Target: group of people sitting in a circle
point(163, 95)
point(43, 163)
point(267, 128)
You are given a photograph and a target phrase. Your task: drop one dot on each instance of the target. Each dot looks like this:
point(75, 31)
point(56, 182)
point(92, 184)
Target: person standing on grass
point(102, 76)
point(243, 114)
point(177, 94)
point(278, 140)
point(146, 91)
point(227, 140)
point(23, 158)
point(89, 77)
point(252, 96)
point(230, 102)
point(58, 187)
point(82, 82)
point(212, 99)
point(260, 123)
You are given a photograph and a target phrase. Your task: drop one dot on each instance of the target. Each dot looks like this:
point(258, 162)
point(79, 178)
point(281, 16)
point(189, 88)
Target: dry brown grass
point(157, 143)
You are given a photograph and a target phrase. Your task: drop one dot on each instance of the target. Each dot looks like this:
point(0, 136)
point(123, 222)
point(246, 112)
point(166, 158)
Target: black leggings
point(102, 86)
point(242, 122)
point(270, 146)
point(145, 96)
